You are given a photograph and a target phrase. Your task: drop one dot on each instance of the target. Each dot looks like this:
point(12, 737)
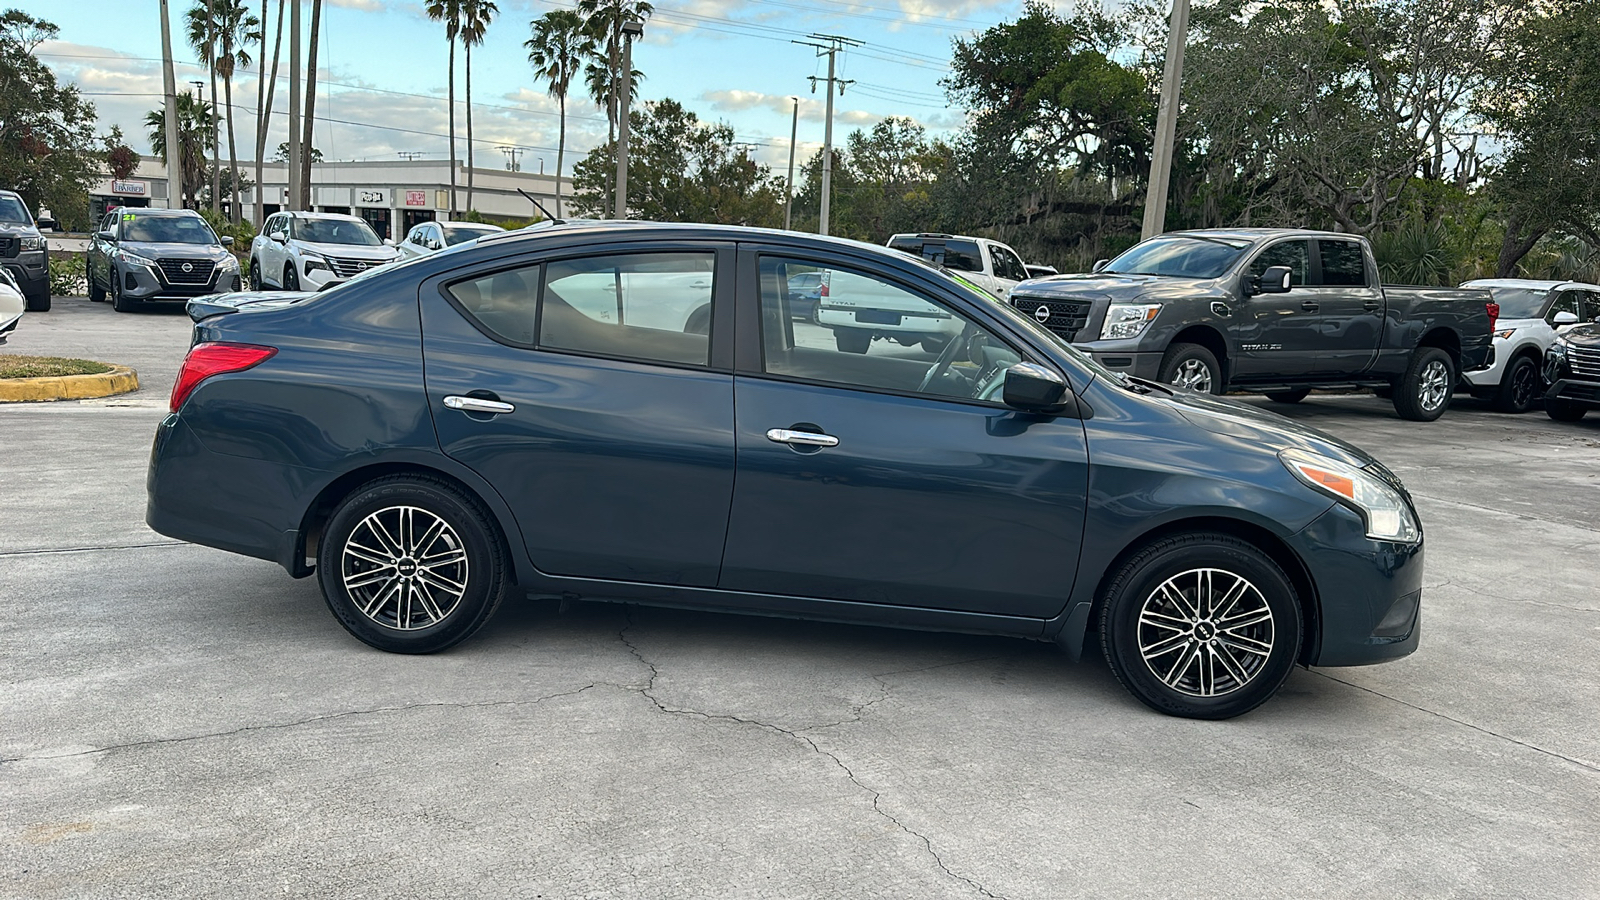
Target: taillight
point(1494, 313)
point(214, 358)
point(824, 291)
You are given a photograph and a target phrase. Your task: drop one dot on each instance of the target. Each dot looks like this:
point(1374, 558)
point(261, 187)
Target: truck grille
point(1065, 319)
point(1584, 362)
point(198, 271)
point(9, 245)
point(350, 268)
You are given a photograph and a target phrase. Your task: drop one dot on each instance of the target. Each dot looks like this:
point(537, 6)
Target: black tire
point(97, 294)
point(1519, 386)
point(1294, 396)
point(1192, 366)
point(1423, 393)
point(358, 592)
point(119, 302)
point(38, 302)
point(1564, 410)
point(291, 278)
point(1241, 665)
point(255, 275)
point(849, 340)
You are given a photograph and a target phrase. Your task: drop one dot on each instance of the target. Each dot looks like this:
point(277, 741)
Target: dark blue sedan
point(631, 412)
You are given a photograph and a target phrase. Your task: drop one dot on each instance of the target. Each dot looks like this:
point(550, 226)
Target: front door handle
point(804, 438)
point(1310, 306)
point(478, 405)
point(1371, 305)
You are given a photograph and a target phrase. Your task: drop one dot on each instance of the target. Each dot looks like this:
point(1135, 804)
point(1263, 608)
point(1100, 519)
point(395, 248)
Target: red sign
point(416, 198)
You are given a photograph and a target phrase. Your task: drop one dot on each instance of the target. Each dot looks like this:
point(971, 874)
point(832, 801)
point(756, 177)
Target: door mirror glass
point(1275, 280)
point(1564, 318)
point(1033, 387)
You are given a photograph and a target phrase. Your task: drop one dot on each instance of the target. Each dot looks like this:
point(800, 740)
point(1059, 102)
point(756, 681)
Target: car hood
point(352, 251)
point(10, 228)
point(1585, 336)
point(1114, 287)
point(158, 250)
point(1262, 428)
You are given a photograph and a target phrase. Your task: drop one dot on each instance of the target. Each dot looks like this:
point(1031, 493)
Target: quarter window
point(654, 307)
point(1343, 263)
point(503, 302)
point(1294, 254)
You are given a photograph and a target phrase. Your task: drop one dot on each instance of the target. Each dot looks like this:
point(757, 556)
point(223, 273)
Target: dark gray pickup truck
point(1275, 311)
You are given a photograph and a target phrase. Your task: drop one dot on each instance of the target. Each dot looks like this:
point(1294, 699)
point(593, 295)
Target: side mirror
point(108, 236)
point(1274, 280)
point(277, 236)
point(227, 241)
point(1034, 388)
point(1564, 318)
point(387, 242)
point(47, 224)
point(1099, 264)
point(433, 244)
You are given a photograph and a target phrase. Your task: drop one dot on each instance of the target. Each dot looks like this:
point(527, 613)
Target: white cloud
point(811, 110)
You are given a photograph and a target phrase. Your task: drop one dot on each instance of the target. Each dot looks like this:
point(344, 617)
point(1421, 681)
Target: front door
point(606, 427)
point(895, 476)
point(1351, 305)
point(1277, 334)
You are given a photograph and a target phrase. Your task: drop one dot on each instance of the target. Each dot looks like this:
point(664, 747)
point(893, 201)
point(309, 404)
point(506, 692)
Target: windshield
point(460, 234)
point(1182, 256)
point(12, 211)
point(1517, 302)
point(166, 229)
point(335, 231)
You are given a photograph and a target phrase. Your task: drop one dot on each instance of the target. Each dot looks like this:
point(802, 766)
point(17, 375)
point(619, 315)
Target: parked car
point(1572, 368)
point(805, 292)
point(1278, 311)
point(1532, 313)
point(431, 237)
point(148, 255)
point(989, 264)
point(501, 437)
point(12, 305)
point(24, 252)
point(313, 251)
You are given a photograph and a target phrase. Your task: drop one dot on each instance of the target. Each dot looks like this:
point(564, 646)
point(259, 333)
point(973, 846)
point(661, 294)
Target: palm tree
point(605, 19)
point(561, 45)
point(449, 12)
point(223, 43)
point(309, 117)
point(194, 117)
point(475, 18)
point(201, 29)
point(265, 85)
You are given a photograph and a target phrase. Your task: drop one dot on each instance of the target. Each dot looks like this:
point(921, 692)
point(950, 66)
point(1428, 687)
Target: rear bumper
point(1369, 592)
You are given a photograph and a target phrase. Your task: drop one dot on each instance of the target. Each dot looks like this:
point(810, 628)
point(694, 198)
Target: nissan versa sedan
point(631, 412)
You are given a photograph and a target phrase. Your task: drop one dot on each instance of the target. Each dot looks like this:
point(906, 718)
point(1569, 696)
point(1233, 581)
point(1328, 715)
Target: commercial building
point(392, 196)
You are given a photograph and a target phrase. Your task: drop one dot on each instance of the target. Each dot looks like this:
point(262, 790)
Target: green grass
point(47, 366)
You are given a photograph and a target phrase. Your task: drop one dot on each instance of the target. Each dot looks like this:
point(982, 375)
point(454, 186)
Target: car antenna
point(553, 219)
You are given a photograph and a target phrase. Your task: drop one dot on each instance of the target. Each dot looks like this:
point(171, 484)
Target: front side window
point(1007, 264)
point(654, 307)
point(1343, 263)
point(1566, 301)
point(1294, 254)
point(167, 229)
point(873, 334)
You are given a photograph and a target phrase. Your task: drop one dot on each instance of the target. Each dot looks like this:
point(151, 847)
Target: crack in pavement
point(274, 726)
point(96, 549)
point(1592, 767)
point(1515, 515)
point(877, 797)
point(1516, 600)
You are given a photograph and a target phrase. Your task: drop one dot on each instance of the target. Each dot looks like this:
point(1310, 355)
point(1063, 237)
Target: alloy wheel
point(1194, 375)
point(1524, 382)
point(1434, 386)
point(405, 568)
point(1206, 632)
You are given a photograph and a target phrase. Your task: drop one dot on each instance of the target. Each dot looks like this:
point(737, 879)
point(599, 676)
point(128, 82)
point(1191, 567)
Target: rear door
point(1350, 301)
point(1278, 334)
point(568, 385)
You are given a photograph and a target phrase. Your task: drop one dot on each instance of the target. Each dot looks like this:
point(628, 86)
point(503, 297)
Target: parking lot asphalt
point(178, 721)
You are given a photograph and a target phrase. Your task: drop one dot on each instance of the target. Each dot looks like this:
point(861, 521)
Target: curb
point(120, 380)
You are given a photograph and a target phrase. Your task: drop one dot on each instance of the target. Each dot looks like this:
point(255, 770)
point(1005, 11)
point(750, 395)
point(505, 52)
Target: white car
point(1532, 313)
point(990, 265)
point(12, 305)
point(308, 251)
point(431, 237)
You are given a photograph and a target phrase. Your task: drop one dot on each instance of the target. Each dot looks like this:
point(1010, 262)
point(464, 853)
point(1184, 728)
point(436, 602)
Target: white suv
point(1532, 313)
point(307, 251)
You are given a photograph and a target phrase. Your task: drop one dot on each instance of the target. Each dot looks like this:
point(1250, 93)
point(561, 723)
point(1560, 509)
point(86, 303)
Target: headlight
point(228, 263)
point(315, 261)
point(32, 242)
point(1128, 320)
point(1388, 516)
point(1506, 334)
point(134, 259)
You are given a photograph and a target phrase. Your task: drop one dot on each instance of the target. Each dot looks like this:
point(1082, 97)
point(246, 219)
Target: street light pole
point(624, 86)
point(170, 87)
point(1155, 203)
point(788, 185)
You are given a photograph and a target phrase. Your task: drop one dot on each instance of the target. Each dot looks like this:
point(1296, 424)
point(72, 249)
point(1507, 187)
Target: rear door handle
point(478, 405)
point(804, 438)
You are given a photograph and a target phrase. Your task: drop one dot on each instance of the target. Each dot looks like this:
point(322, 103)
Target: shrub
point(68, 278)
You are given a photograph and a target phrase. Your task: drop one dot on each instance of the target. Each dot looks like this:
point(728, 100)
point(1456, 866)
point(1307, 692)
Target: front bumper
point(145, 284)
point(1369, 593)
point(31, 269)
point(1571, 390)
point(1115, 356)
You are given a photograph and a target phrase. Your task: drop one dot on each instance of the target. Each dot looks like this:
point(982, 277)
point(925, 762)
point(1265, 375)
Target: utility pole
point(169, 83)
point(293, 199)
point(511, 158)
point(788, 185)
point(1155, 201)
point(409, 155)
point(832, 46)
point(624, 86)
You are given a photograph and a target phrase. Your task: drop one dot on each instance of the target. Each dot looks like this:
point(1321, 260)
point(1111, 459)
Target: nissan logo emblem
point(1042, 314)
point(188, 267)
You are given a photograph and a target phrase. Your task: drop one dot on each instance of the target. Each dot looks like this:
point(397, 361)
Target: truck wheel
point(1294, 396)
point(1192, 366)
point(1518, 386)
point(1424, 391)
point(850, 341)
point(1564, 410)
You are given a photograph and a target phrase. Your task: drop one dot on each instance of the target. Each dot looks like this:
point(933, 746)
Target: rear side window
point(962, 256)
point(503, 302)
point(1343, 263)
point(653, 307)
point(1294, 254)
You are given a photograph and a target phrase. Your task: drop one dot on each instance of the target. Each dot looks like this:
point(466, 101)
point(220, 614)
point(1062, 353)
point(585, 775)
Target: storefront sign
point(416, 198)
point(134, 188)
point(370, 197)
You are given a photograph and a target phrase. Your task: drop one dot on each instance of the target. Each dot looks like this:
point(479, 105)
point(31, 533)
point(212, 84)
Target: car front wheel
point(1192, 366)
point(1202, 625)
point(255, 275)
point(291, 278)
point(1518, 387)
point(408, 564)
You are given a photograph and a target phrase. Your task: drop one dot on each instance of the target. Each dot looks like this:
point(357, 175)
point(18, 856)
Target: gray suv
point(141, 255)
point(24, 252)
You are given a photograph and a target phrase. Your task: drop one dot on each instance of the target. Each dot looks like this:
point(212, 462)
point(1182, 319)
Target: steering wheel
point(947, 357)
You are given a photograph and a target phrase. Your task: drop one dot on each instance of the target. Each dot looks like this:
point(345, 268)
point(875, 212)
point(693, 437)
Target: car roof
point(1532, 284)
point(940, 236)
point(338, 217)
point(156, 211)
point(644, 230)
point(1256, 234)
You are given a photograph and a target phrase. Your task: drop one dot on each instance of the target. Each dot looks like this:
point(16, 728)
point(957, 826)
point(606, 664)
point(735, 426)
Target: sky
point(382, 81)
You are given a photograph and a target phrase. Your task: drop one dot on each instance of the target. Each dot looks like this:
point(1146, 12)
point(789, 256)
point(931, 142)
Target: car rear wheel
point(851, 341)
point(408, 564)
point(1202, 625)
point(1564, 410)
point(1192, 366)
point(97, 294)
point(1294, 396)
point(1518, 386)
point(1423, 393)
